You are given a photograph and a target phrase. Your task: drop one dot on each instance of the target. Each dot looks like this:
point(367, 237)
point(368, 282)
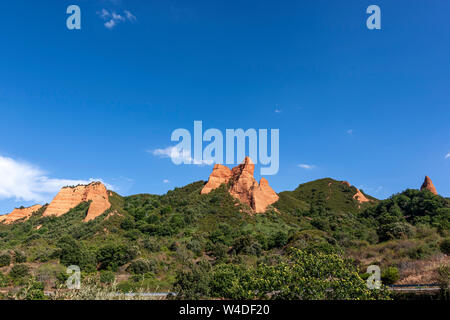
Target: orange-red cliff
point(242, 185)
point(18, 214)
point(358, 196)
point(70, 197)
point(428, 185)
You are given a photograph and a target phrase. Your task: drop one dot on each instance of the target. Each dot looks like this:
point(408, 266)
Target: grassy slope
point(331, 194)
point(184, 226)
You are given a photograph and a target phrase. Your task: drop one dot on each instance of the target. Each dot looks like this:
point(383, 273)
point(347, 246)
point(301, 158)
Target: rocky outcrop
point(428, 185)
point(242, 185)
point(70, 197)
point(220, 175)
point(346, 183)
point(19, 214)
point(263, 196)
point(360, 197)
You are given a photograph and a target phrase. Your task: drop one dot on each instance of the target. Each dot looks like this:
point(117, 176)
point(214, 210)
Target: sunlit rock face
point(19, 214)
point(70, 197)
point(428, 185)
point(242, 185)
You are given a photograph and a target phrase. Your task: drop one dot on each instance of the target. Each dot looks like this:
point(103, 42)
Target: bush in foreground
point(306, 276)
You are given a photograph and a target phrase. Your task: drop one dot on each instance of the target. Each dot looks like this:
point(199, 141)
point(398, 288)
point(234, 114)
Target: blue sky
point(369, 107)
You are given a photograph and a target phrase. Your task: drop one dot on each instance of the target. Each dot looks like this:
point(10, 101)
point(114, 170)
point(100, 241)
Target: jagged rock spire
point(428, 185)
point(243, 185)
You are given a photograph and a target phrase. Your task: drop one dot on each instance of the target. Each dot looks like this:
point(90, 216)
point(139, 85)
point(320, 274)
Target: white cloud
point(117, 17)
point(130, 16)
point(307, 166)
point(166, 181)
point(277, 110)
point(27, 182)
point(104, 14)
point(110, 24)
point(113, 19)
point(178, 155)
point(447, 155)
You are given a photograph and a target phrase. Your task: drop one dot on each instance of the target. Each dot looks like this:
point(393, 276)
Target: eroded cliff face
point(70, 197)
point(18, 214)
point(428, 185)
point(358, 196)
point(221, 174)
point(243, 185)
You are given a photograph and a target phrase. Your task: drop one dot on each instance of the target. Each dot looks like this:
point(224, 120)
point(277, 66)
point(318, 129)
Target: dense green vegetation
point(305, 275)
point(307, 245)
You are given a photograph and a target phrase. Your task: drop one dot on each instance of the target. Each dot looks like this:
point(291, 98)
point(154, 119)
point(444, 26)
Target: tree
point(194, 282)
point(112, 256)
point(19, 257)
point(307, 276)
point(140, 266)
point(5, 260)
point(107, 277)
point(390, 275)
point(19, 271)
point(74, 253)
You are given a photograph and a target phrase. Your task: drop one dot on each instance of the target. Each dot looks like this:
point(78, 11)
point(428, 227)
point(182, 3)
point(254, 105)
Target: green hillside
point(195, 244)
point(324, 194)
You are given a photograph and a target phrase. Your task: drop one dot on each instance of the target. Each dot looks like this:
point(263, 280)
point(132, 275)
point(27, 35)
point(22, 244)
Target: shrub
point(219, 251)
point(419, 252)
point(133, 234)
point(3, 281)
point(315, 276)
point(390, 275)
point(112, 256)
point(73, 253)
point(127, 224)
point(396, 230)
point(194, 282)
point(107, 277)
point(5, 260)
point(152, 245)
point(173, 246)
point(19, 271)
point(34, 291)
point(445, 246)
point(223, 280)
point(195, 246)
point(279, 239)
point(443, 279)
point(19, 257)
point(139, 266)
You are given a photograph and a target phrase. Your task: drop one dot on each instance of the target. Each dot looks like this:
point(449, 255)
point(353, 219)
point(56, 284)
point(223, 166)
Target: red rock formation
point(70, 197)
point(346, 183)
point(220, 175)
point(243, 185)
point(18, 214)
point(360, 197)
point(264, 196)
point(428, 185)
